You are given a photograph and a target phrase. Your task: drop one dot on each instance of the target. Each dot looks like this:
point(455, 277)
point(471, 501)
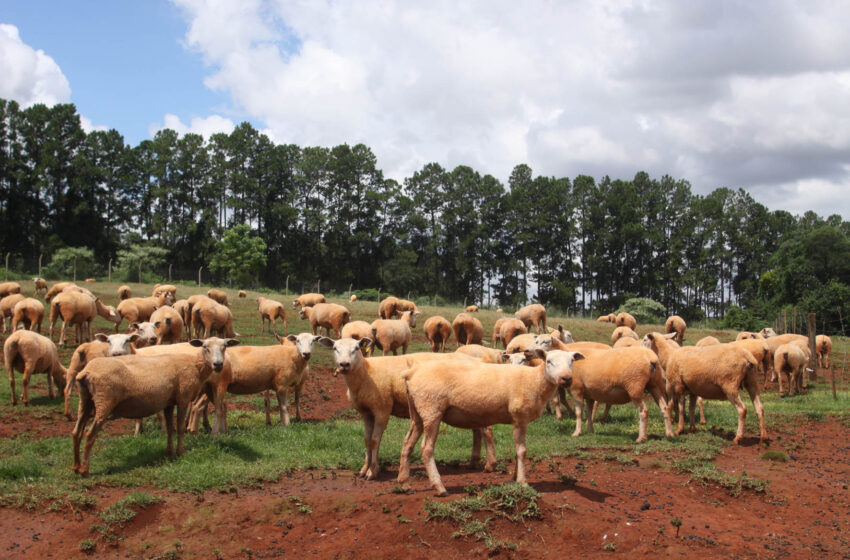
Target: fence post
point(813, 348)
point(199, 275)
point(6, 276)
point(794, 324)
point(75, 269)
point(140, 271)
point(784, 321)
point(287, 286)
point(169, 273)
point(109, 268)
point(39, 264)
point(349, 291)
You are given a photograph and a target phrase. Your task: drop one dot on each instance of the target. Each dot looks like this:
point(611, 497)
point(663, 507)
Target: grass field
point(35, 471)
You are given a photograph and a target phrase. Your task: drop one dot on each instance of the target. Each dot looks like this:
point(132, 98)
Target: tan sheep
point(467, 329)
point(271, 310)
point(40, 286)
point(533, 315)
point(500, 310)
point(790, 359)
point(438, 331)
point(610, 318)
point(626, 320)
point(136, 309)
point(242, 294)
point(146, 332)
point(406, 305)
point(219, 296)
point(56, 289)
point(376, 391)
point(677, 325)
point(7, 308)
point(169, 289)
point(168, 325)
point(391, 334)
point(774, 341)
point(823, 347)
point(32, 353)
point(483, 354)
point(9, 288)
point(137, 386)
point(214, 318)
point(707, 341)
point(471, 309)
point(352, 298)
point(327, 316)
point(767, 332)
point(497, 332)
point(620, 332)
point(562, 334)
point(468, 395)
point(626, 342)
point(124, 292)
point(181, 306)
point(29, 312)
point(510, 329)
point(521, 343)
point(307, 300)
point(356, 330)
point(77, 309)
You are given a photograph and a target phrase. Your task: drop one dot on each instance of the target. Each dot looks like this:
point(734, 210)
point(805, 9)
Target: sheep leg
point(84, 414)
point(12, 385)
point(735, 399)
point(589, 404)
point(268, 408)
point(139, 428)
point(701, 406)
point(579, 405)
point(198, 408)
point(679, 398)
point(410, 439)
point(25, 382)
point(49, 385)
point(432, 430)
point(368, 426)
point(752, 386)
point(643, 414)
point(489, 449)
point(283, 405)
point(519, 443)
point(168, 412)
point(691, 409)
point(182, 409)
point(90, 437)
point(658, 396)
point(475, 458)
point(375, 445)
point(62, 335)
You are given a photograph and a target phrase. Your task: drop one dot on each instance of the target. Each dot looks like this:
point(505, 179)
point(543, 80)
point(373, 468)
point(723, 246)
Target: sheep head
point(213, 350)
point(346, 352)
point(303, 342)
point(559, 366)
point(119, 344)
point(146, 332)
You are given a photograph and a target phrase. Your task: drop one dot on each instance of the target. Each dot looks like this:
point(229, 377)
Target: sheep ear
point(578, 356)
point(326, 342)
point(134, 326)
point(289, 337)
point(231, 342)
point(539, 353)
point(101, 337)
point(157, 324)
point(133, 337)
point(366, 342)
point(505, 356)
point(197, 343)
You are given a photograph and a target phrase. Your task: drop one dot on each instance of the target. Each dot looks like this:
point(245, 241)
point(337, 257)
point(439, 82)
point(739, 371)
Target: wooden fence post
point(6, 276)
point(794, 321)
point(108, 268)
point(287, 286)
point(199, 275)
point(813, 348)
point(39, 264)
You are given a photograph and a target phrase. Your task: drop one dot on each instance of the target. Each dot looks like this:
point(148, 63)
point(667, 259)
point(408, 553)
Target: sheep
point(438, 331)
point(181, 306)
point(626, 320)
point(191, 302)
point(790, 359)
point(823, 347)
point(562, 334)
point(32, 353)
point(388, 308)
point(9, 288)
point(328, 316)
point(56, 289)
point(500, 310)
point(352, 298)
point(707, 341)
point(102, 347)
point(467, 329)
point(356, 330)
point(620, 332)
point(376, 390)
point(471, 309)
point(520, 343)
point(75, 308)
point(468, 395)
point(510, 329)
point(218, 296)
point(168, 325)
point(767, 332)
point(146, 331)
point(90, 280)
point(30, 312)
point(169, 292)
point(626, 342)
point(406, 305)
point(136, 309)
point(214, 318)
point(391, 334)
point(774, 341)
point(483, 354)
point(40, 285)
point(242, 294)
point(136, 386)
point(712, 372)
point(124, 292)
point(678, 325)
point(610, 318)
point(744, 335)
point(533, 315)
point(7, 308)
point(307, 300)
point(497, 332)
point(271, 310)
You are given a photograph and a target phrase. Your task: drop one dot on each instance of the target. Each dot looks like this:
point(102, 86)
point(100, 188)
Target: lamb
point(214, 318)
point(677, 325)
point(471, 309)
point(136, 309)
point(376, 390)
point(391, 334)
point(40, 285)
point(388, 308)
point(438, 331)
point(790, 359)
point(218, 296)
point(102, 347)
point(483, 354)
point(124, 292)
point(510, 329)
point(242, 294)
point(307, 300)
point(168, 325)
point(467, 329)
point(497, 332)
point(30, 312)
point(621, 332)
point(32, 353)
point(271, 310)
point(610, 318)
point(56, 289)
point(9, 288)
point(707, 341)
point(137, 386)
point(626, 320)
point(533, 315)
point(7, 308)
point(76, 309)
point(823, 347)
point(328, 316)
point(468, 395)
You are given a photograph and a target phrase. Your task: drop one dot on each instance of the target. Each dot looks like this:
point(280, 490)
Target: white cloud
point(206, 126)
point(88, 126)
point(720, 93)
point(29, 76)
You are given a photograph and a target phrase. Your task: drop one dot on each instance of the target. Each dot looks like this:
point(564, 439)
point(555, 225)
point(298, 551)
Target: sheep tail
point(11, 354)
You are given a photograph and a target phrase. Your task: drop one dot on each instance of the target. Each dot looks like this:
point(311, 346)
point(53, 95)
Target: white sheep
point(32, 353)
point(391, 334)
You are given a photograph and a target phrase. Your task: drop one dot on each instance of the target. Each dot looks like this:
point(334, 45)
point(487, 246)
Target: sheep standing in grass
point(352, 298)
point(357, 330)
point(468, 395)
point(388, 308)
point(214, 318)
point(76, 309)
point(621, 332)
point(169, 289)
point(29, 312)
point(7, 308)
point(9, 288)
point(471, 309)
point(790, 360)
point(168, 325)
point(124, 292)
point(610, 318)
point(329, 316)
point(823, 346)
point(438, 331)
point(136, 309)
point(219, 296)
point(467, 329)
point(137, 386)
point(56, 289)
point(676, 324)
point(533, 315)
point(626, 320)
point(307, 300)
point(391, 334)
point(497, 332)
point(271, 310)
point(242, 294)
point(40, 286)
point(32, 353)
point(510, 329)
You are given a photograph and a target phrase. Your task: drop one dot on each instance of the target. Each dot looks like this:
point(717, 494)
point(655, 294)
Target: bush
point(740, 319)
point(644, 310)
point(62, 263)
point(369, 294)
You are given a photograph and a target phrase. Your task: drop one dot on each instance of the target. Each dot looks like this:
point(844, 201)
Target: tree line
point(328, 214)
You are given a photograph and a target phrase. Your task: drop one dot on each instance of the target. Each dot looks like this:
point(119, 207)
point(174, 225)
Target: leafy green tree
point(643, 309)
point(136, 259)
point(72, 262)
point(240, 255)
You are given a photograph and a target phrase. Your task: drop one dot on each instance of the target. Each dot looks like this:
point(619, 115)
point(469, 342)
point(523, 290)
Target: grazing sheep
point(9, 288)
point(626, 320)
point(521, 343)
point(562, 334)
point(30, 312)
point(406, 305)
point(357, 330)
point(677, 325)
point(391, 334)
point(102, 347)
point(191, 302)
point(533, 315)
point(471, 309)
point(137, 386)
point(438, 331)
point(744, 335)
point(707, 341)
point(218, 296)
point(168, 325)
point(307, 300)
point(790, 359)
point(823, 346)
point(56, 289)
point(214, 318)
point(136, 309)
point(90, 280)
point(124, 292)
point(40, 285)
point(610, 318)
point(620, 332)
point(774, 341)
point(510, 329)
point(7, 308)
point(376, 390)
point(242, 294)
point(497, 332)
point(32, 353)
point(328, 316)
point(169, 290)
point(467, 329)
point(468, 395)
point(352, 298)
point(389, 308)
point(483, 354)
point(76, 309)
point(181, 306)
point(271, 310)
point(500, 310)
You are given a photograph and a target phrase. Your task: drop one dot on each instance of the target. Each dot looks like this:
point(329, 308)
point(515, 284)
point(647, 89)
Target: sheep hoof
point(442, 494)
point(737, 440)
point(489, 467)
point(641, 440)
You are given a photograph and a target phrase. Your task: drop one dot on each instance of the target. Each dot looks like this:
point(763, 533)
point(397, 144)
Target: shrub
point(644, 310)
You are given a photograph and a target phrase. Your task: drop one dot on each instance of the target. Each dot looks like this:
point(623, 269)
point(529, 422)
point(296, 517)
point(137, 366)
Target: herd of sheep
point(149, 370)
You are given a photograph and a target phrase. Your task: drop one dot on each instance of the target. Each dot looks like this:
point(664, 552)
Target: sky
point(721, 93)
